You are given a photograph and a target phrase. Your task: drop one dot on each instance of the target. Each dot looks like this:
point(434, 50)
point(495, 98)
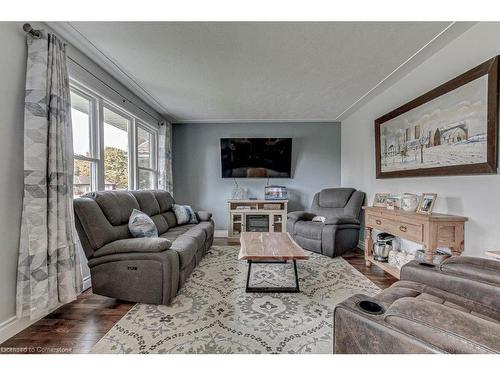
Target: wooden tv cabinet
point(252, 215)
point(431, 231)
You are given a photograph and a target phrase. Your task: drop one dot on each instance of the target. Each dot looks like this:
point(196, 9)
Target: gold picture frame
point(380, 199)
point(426, 203)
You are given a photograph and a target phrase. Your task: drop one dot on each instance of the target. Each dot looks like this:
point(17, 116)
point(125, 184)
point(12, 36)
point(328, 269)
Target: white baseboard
point(86, 283)
point(220, 233)
point(13, 326)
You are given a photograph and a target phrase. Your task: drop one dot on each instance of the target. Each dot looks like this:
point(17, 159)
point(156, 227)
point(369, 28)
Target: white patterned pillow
point(141, 225)
point(319, 219)
point(184, 214)
point(193, 219)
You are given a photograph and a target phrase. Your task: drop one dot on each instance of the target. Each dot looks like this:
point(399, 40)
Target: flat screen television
point(256, 157)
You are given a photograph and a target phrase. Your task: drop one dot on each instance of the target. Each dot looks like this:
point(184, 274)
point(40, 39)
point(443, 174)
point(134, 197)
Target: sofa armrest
point(339, 220)
point(479, 269)
point(356, 331)
point(204, 215)
point(452, 278)
point(134, 245)
point(300, 215)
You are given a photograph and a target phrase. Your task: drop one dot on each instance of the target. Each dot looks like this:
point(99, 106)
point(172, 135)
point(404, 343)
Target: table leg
point(368, 245)
point(285, 289)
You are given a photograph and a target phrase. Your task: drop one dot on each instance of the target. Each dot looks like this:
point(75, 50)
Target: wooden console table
point(252, 215)
point(431, 231)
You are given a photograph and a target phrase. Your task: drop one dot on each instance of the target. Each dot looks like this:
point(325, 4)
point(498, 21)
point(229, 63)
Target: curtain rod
point(36, 34)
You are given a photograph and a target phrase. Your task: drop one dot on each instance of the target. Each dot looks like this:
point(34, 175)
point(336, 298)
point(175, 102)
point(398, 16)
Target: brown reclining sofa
point(449, 308)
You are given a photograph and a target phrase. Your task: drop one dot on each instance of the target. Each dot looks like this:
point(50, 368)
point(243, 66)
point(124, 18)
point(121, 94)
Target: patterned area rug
point(213, 314)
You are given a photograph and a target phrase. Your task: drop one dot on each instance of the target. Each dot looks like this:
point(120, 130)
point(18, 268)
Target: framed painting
point(450, 130)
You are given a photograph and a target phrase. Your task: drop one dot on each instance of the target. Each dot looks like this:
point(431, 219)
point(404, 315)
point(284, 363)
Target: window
point(84, 176)
point(113, 150)
point(145, 159)
point(116, 151)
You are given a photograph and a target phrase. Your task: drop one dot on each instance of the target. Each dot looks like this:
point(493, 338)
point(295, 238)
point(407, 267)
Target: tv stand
point(254, 215)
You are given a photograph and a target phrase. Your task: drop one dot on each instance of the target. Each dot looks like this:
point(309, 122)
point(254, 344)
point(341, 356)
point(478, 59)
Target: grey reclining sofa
point(149, 270)
point(450, 308)
point(339, 233)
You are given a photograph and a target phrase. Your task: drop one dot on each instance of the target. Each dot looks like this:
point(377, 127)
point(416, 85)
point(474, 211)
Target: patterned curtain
point(48, 267)
point(165, 157)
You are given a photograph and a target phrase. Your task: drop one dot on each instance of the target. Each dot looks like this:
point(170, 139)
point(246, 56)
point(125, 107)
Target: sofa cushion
point(116, 205)
point(186, 247)
point(445, 327)
point(140, 225)
point(170, 218)
point(206, 226)
point(164, 200)
point(309, 229)
point(198, 234)
point(93, 225)
point(173, 233)
point(484, 270)
point(134, 245)
point(147, 201)
point(406, 288)
point(335, 198)
point(160, 222)
point(301, 215)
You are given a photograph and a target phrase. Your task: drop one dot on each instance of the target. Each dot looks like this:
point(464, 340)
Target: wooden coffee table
point(270, 247)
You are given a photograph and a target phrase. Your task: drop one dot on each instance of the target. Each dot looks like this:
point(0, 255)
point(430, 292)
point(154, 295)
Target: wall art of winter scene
point(446, 131)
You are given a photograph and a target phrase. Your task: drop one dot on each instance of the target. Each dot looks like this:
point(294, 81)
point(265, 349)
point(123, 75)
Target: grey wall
point(197, 165)
point(477, 197)
point(12, 78)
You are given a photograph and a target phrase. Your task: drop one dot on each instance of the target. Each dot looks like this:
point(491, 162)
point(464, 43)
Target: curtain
point(165, 157)
point(48, 267)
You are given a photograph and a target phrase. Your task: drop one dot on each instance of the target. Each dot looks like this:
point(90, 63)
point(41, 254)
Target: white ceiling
point(207, 72)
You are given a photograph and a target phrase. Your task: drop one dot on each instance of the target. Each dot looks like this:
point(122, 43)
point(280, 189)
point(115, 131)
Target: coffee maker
point(383, 246)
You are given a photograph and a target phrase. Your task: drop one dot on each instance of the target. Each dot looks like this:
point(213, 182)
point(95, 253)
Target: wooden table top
point(269, 245)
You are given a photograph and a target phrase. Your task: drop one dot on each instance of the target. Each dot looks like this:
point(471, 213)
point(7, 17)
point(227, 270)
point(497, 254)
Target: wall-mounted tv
point(256, 157)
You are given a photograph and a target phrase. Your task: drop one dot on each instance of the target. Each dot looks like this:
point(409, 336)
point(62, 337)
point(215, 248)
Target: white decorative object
point(409, 202)
point(400, 258)
point(320, 219)
point(237, 192)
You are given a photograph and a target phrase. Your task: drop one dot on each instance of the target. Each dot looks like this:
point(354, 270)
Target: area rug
point(212, 313)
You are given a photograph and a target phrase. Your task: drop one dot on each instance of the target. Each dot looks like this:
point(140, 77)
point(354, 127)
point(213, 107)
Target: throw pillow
point(141, 225)
point(184, 214)
point(193, 219)
point(320, 219)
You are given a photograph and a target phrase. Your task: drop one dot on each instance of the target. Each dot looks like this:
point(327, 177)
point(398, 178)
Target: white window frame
point(98, 103)
point(106, 104)
point(94, 159)
point(153, 152)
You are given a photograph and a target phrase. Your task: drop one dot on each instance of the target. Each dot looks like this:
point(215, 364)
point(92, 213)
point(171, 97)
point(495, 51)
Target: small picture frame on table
point(393, 202)
point(380, 199)
point(426, 203)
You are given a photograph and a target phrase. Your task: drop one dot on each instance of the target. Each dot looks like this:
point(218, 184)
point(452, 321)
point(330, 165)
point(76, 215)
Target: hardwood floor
point(77, 326)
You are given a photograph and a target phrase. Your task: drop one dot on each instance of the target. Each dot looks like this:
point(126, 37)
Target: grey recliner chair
point(339, 233)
